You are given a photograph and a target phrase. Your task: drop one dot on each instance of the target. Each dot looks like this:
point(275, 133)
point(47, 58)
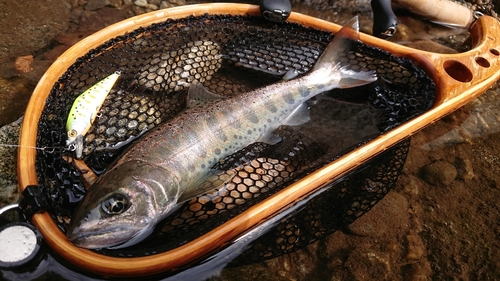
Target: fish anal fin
point(299, 116)
point(270, 138)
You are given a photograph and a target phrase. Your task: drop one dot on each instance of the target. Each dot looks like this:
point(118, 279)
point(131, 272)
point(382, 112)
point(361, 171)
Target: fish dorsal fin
point(199, 95)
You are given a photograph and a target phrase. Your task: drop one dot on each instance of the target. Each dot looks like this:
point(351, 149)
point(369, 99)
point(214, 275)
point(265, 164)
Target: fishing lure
point(84, 111)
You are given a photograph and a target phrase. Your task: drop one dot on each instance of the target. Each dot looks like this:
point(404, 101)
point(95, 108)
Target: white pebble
point(141, 3)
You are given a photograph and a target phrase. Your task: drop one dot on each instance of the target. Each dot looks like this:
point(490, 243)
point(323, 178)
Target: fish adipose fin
point(340, 75)
point(199, 95)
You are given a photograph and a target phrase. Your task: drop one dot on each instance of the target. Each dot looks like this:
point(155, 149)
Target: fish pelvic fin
point(329, 63)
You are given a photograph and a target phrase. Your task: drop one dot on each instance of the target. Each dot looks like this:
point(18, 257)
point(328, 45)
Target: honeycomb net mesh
point(231, 55)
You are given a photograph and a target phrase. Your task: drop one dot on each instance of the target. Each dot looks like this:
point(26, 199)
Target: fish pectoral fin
point(214, 179)
point(199, 95)
point(242, 156)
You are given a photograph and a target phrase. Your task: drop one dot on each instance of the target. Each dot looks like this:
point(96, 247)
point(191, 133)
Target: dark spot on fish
point(217, 151)
point(288, 98)
point(271, 108)
point(249, 132)
point(222, 136)
point(269, 121)
point(304, 91)
point(252, 117)
point(236, 124)
point(203, 166)
point(235, 137)
point(212, 121)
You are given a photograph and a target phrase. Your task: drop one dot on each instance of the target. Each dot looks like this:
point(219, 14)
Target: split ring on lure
point(84, 111)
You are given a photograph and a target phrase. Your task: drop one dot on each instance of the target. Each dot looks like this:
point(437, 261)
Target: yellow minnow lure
point(84, 111)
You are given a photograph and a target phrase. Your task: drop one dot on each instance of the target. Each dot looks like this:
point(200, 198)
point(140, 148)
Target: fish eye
point(115, 204)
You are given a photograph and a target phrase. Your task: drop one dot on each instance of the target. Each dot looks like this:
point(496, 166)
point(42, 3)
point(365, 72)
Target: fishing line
point(49, 149)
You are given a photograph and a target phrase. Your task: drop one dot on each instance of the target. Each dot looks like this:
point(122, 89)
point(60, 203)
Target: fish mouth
point(102, 238)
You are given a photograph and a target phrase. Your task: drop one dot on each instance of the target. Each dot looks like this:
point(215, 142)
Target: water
point(419, 230)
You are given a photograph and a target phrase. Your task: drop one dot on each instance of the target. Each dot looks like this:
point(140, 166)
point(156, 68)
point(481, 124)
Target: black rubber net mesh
point(231, 55)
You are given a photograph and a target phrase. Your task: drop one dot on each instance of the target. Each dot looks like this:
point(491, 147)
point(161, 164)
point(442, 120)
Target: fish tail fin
point(330, 60)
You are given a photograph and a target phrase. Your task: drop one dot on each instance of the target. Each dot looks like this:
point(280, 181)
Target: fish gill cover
point(231, 55)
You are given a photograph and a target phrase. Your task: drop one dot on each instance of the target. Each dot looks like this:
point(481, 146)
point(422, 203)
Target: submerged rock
point(29, 31)
point(464, 169)
point(9, 135)
point(14, 94)
point(439, 173)
point(368, 265)
point(378, 223)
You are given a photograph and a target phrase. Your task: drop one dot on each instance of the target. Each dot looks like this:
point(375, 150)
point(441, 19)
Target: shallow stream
point(441, 221)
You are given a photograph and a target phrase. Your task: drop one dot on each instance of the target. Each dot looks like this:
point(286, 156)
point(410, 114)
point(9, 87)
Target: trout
point(169, 165)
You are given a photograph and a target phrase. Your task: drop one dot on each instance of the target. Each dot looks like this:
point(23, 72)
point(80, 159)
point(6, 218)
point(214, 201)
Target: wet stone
point(464, 169)
point(389, 214)
point(9, 134)
point(29, 31)
point(14, 96)
point(409, 184)
point(364, 264)
point(439, 173)
point(93, 5)
point(416, 247)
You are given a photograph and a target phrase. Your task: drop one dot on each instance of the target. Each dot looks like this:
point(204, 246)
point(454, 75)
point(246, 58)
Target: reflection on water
point(483, 119)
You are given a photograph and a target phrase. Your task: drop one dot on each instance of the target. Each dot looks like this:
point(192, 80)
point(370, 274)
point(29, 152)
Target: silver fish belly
point(169, 165)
